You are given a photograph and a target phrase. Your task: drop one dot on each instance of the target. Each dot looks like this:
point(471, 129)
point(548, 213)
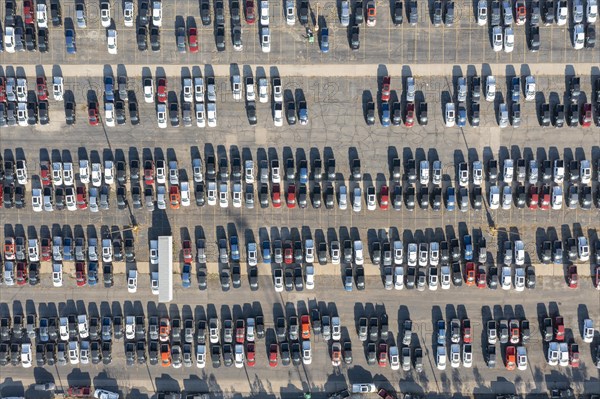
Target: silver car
point(357, 201)
point(345, 13)
point(503, 115)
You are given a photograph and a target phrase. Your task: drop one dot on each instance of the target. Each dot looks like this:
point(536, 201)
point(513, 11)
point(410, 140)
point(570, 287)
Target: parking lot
point(337, 87)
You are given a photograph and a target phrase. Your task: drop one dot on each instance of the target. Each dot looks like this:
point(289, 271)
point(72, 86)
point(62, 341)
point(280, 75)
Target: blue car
point(461, 117)
point(92, 273)
point(68, 248)
point(235, 250)
point(185, 275)
point(451, 199)
point(385, 114)
point(325, 40)
point(468, 241)
point(266, 252)
point(70, 41)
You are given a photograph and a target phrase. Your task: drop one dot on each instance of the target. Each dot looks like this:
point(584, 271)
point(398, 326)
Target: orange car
point(305, 322)
point(511, 357)
point(9, 248)
point(165, 354)
point(371, 13)
point(470, 274)
point(174, 197)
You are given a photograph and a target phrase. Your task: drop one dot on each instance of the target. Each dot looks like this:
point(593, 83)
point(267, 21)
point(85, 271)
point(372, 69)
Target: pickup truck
point(548, 329)
point(468, 241)
point(305, 322)
point(559, 328)
point(407, 338)
point(104, 394)
point(511, 357)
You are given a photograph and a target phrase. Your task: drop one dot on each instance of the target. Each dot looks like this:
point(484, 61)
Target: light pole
point(317, 21)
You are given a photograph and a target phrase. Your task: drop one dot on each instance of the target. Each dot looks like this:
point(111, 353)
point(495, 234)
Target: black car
point(291, 113)
point(143, 11)
point(359, 12)
point(42, 38)
point(574, 115)
point(10, 13)
point(355, 38)
point(234, 8)
point(534, 39)
point(409, 198)
point(43, 112)
point(475, 118)
point(31, 113)
point(55, 13)
point(251, 112)
point(449, 16)
point(477, 198)
point(559, 115)
point(398, 12)
point(30, 40)
point(316, 196)
point(549, 12)
point(219, 13)
point(180, 39)
point(303, 12)
point(155, 38)
point(220, 38)
point(437, 198)
point(396, 113)
point(142, 38)
point(423, 114)
point(590, 36)
point(413, 13)
point(370, 113)
point(424, 198)
point(19, 197)
point(205, 12)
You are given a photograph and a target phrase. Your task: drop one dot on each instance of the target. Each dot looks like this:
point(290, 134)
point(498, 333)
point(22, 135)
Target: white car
point(278, 114)
point(450, 114)
point(57, 88)
point(70, 199)
point(57, 174)
point(26, 355)
point(309, 251)
point(223, 197)
point(436, 175)
point(530, 88)
point(412, 254)
point(585, 171)
point(22, 114)
point(424, 172)
point(423, 254)
point(477, 173)
point(109, 174)
point(211, 193)
point(250, 93)
point(22, 90)
point(434, 254)
point(200, 115)
point(490, 88)
point(105, 13)
point(154, 252)
point(21, 169)
point(455, 355)
point(199, 89)
point(36, 199)
point(521, 358)
point(239, 356)
point(68, 175)
point(211, 114)
point(106, 250)
point(290, 12)
point(583, 249)
point(336, 328)
point(433, 278)
point(506, 280)
point(96, 174)
point(563, 354)
point(148, 90)
point(509, 171)
point(264, 13)
point(398, 277)
point(173, 173)
point(185, 193)
point(41, 15)
point(161, 115)
point(358, 253)
point(445, 277)
point(73, 352)
point(128, 15)
point(482, 13)
point(553, 353)
point(519, 279)
point(249, 171)
point(157, 13)
point(154, 284)
point(63, 328)
point(357, 200)
point(398, 252)
point(591, 11)
point(519, 253)
point(57, 274)
point(237, 195)
point(9, 39)
point(265, 40)
point(263, 90)
point(497, 38)
point(394, 355)
point(306, 352)
point(111, 35)
point(494, 197)
point(588, 331)
point(109, 114)
point(201, 356)
point(132, 281)
point(82, 326)
point(557, 197)
point(371, 198)
point(187, 90)
point(441, 357)
point(130, 327)
point(309, 274)
point(562, 14)
point(578, 36)
point(84, 171)
point(509, 40)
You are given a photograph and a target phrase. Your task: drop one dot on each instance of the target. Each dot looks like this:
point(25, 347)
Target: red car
point(21, 273)
point(409, 121)
point(2, 90)
point(383, 355)
point(597, 277)
point(174, 197)
point(384, 197)
point(385, 89)
point(466, 331)
point(93, 113)
point(545, 200)
point(9, 248)
point(45, 174)
point(574, 355)
point(161, 90)
point(193, 40)
point(573, 278)
point(470, 274)
point(291, 196)
point(288, 253)
point(276, 196)
point(511, 357)
point(534, 197)
point(42, 89)
point(46, 249)
point(586, 115)
point(28, 11)
point(240, 331)
point(273, 355)
point(149, 172)
point(250, 355)
point(250, 15)
point(79, 392)
point(81, 198)
point(481, 278)
point(80, 274)
point(187, 251)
